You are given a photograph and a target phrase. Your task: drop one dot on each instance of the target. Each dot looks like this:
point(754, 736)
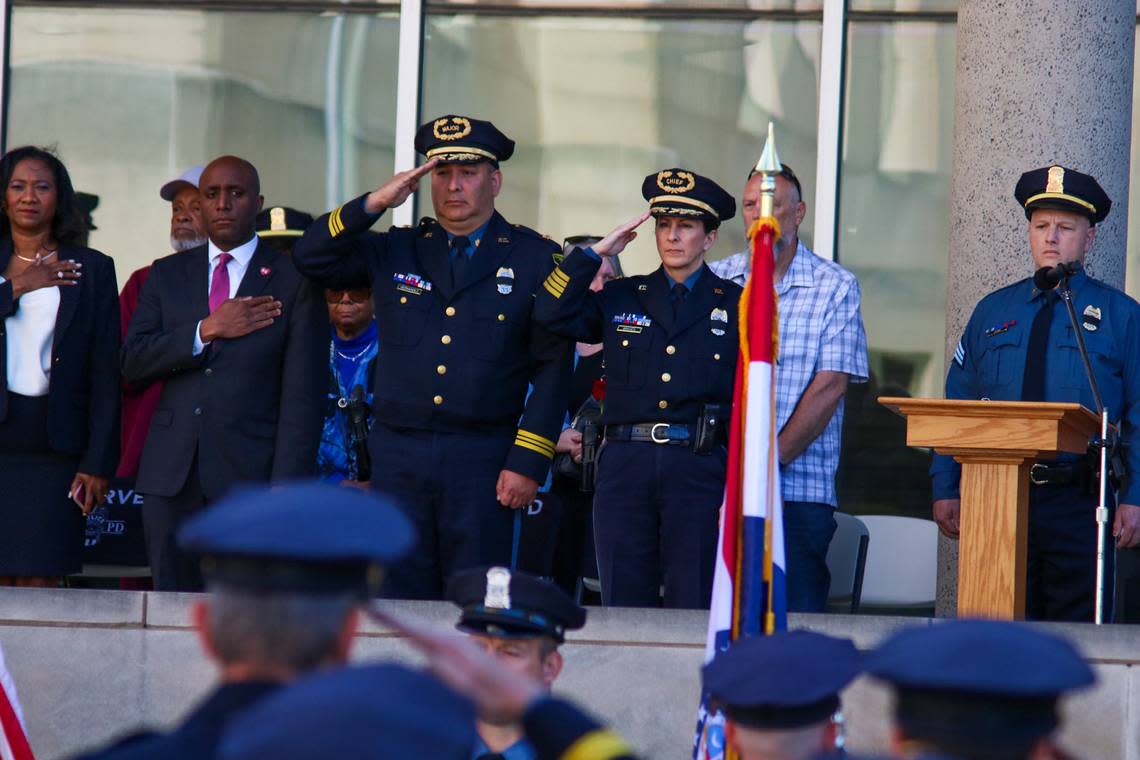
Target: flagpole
point(765, 231)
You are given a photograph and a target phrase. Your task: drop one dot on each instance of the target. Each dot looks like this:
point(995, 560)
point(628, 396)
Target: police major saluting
point(1019, 346)
point(670, 342)
point(458, 348)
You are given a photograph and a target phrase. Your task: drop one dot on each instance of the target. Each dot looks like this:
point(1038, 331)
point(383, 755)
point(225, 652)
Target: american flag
point(13, 742)
point(748, 587)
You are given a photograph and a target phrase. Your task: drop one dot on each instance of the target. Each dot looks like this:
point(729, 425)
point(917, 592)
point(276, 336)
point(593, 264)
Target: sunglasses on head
point(356, 295)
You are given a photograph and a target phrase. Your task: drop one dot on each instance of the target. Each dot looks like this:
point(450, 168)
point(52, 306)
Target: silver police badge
point(498, 594)
point(505, 280)
point(718, 321)
point(1092, 318)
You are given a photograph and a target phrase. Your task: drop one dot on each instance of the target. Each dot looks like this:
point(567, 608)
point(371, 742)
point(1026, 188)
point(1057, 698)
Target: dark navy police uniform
point(454, 365)
point(990, 363)
point(666, 356)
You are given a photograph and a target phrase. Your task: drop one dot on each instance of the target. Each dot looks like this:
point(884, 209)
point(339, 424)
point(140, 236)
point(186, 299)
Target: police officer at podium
point(1019, 346)
point(457, 440)
point(670, 345)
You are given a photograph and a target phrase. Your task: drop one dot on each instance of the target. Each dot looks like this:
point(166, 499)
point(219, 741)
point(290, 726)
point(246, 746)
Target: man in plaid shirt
point(822, 348)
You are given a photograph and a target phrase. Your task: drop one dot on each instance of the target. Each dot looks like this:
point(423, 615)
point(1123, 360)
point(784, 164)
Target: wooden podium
point(996, 442)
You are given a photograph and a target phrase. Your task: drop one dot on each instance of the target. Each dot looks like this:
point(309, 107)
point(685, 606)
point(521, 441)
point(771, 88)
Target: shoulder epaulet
point(533, 233)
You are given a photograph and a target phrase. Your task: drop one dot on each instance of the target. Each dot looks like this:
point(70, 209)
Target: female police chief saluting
point(670, 344)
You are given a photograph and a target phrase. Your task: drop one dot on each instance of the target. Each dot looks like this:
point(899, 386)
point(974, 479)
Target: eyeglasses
point(356, 295)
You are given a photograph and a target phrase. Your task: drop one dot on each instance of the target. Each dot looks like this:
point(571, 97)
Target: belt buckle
point(653, 432)
point(1038, 467)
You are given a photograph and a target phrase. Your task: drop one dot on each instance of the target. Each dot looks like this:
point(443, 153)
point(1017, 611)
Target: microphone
point(1047, 278)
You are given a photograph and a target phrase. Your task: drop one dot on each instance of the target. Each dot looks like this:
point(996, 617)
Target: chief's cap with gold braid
point(1060, 188)
point(680, 192)
point(463, 140)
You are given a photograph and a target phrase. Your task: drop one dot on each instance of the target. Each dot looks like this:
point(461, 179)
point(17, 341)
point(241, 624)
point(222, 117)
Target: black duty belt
point(669, 433)
point(1058, 474)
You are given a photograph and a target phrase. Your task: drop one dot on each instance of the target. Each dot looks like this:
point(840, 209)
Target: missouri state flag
point(748, 596)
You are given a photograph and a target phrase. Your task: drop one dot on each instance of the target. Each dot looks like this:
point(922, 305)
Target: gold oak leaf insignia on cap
point(451, 128)
point(1056, 182)
point(680, 182)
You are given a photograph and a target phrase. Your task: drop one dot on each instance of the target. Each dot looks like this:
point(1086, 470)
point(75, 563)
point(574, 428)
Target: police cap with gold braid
point(512, 604)
point(1059, 188)
point(462, 140)
point(282, 221)
point(680, 192)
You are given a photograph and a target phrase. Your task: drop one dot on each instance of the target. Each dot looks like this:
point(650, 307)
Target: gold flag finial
point(768, 167)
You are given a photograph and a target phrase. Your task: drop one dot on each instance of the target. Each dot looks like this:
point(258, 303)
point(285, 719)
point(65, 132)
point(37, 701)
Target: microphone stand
point(1103, 444)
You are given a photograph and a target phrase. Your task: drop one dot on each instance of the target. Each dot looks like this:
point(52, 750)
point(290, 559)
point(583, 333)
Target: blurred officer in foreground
point(978, 690)
point(285, 591)
point(670, 345)
point(281, 227)
point(389, 712)
point(458, 442)
point(1019, 346)
point(780, 694)
point(521, 620)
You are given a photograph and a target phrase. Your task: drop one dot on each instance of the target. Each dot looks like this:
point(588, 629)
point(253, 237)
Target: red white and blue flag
point(13, 741)
point(749, 596)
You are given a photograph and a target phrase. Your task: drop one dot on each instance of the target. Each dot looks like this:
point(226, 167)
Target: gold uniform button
point(438, 400)
point(449, 311)
point(662, 404)
point(502, 317)
point(716, 357)
point(666, 377)
point(625, 342)
point(445, 340)
point(403, 299)
point(670, 350)
point(441, 369)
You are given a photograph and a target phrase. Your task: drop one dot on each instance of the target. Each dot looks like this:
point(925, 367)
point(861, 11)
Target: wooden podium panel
point(996, 442)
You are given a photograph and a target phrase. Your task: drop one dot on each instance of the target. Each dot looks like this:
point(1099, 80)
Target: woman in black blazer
point(59, 406)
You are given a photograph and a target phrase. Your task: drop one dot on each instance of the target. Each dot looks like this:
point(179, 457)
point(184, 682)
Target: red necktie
point(220, 282)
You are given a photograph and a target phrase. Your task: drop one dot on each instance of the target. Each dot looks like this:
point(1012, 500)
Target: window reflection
point(133, 97)
point(595, 104)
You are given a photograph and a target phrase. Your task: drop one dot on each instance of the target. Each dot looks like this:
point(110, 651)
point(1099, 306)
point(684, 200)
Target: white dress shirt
point(29, 334)
point(236, 267)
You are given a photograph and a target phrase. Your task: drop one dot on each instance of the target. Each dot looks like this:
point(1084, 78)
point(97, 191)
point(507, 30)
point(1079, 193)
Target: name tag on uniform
point(631, 323)
point(411, 283)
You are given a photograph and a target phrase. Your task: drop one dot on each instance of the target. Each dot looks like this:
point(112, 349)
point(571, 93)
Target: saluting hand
point(240, 316)
point(615, 242)
point(396, 190)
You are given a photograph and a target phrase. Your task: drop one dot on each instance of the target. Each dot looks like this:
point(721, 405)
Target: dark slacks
point(1061, 566)
point(655, 523)
point(808, 529)
point(445, 483)
point(171, 568)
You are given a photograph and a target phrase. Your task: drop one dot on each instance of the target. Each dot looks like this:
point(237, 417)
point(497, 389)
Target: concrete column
point(1037, 82)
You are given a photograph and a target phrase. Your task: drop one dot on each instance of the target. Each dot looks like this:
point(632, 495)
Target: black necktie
point(677, 297)
point(1033, 385)
point(459, 258)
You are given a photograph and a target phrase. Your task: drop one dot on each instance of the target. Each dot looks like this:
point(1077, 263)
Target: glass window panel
point(686, 7)
point(133, 97)
point(893, 234)
point(596, 104)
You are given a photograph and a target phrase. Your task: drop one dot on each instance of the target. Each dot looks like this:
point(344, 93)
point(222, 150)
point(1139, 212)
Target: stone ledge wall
point(90, 665)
